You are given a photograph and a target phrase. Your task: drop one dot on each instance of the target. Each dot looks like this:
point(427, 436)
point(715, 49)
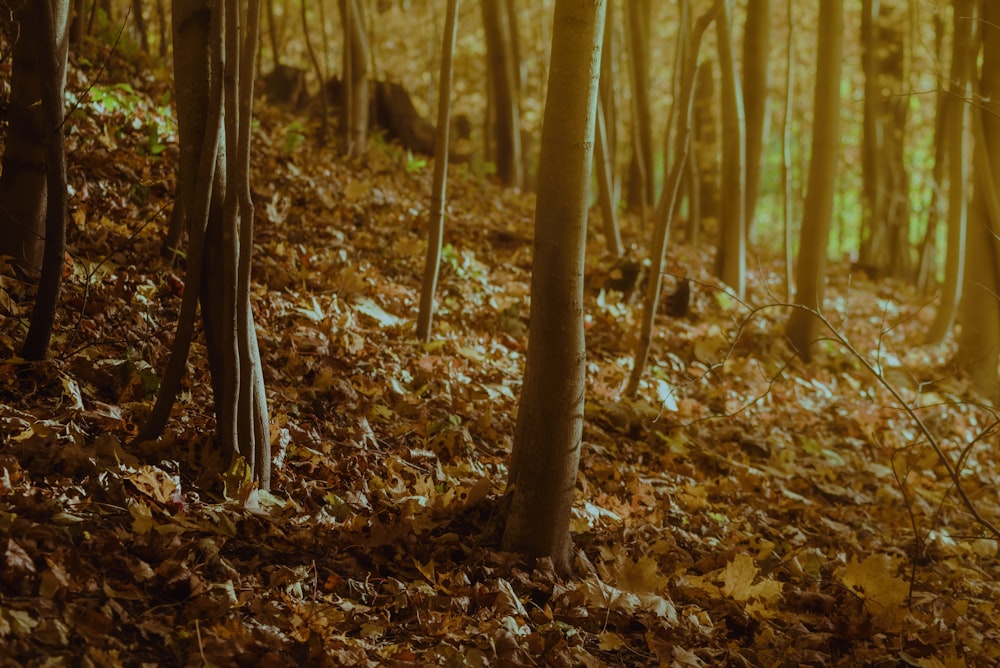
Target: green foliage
point(414, 164)
point(132, 113)
point(119, 98)
point(294, 136)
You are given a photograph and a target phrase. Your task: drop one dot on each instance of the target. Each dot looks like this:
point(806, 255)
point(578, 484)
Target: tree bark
point(23, 178)
point(51, 59)
point(705, 157)
point(641, 170)
point(818, 210)
point(668, 198)
point(786, 151)
point(504, 92)
point(731, 263)
point(954, 128)
point(355, 106)
point(979, 341)
point(215, 195)
point(756, 59)
point(549, 429)
point(439, 187)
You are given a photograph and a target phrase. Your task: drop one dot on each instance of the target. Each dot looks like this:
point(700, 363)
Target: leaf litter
point(743, 510)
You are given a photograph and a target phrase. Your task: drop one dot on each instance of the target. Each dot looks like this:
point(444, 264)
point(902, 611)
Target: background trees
point(879, 228)
point(685, 470)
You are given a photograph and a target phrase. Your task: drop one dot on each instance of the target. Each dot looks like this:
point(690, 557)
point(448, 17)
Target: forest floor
point(746, 509)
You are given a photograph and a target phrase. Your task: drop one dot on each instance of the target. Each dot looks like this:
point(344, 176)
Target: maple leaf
point(642, 576)
point(738, 579)
point(875, 581)
point(142, 517)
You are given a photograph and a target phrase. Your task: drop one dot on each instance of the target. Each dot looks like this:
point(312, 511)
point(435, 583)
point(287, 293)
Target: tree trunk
point(926, 278)
point(439, 187)
point(607, 100)
point(140, 25)
point(786, 151)
point(503, 92)
point(606, 189)
point(873, 244)
point(22, 181)
point(705, 157)
point(731, 263)
point(641, 172)
point(547, 439)
point(979, 341)
point(668, 198)
point(161, 15)
point(218, 226)
point(885, 247)
point(50, 39)
point(954, 130)
point(355, 106)
point(818, 210)
point(756, 52)
point(607, 193)
point(272, 33)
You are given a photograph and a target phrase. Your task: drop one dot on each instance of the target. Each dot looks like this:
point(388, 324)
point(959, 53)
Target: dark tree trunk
point(51, 42)
point(23, 181)
point(503, 92)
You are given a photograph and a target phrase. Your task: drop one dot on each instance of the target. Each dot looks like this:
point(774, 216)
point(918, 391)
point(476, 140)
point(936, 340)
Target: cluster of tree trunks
point(711, 147)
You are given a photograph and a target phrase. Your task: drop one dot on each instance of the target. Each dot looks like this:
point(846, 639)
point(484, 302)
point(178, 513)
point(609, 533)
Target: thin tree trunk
point(253, 434)
point(818, 210)
point(161, 15)
point(321, 75)
point(23, 177)
point(732, 224)
point(641, 189)
point(439, 187)
point(706, 151)
point(873, 244)
point(229, 250)
point(606, 97)
point(504, 92)
point(668, 200)
point(546, 452)
point(355, 77)
point(786, 152)
point(51, 42)
point(606, 189)
point(200, 138)
point(979, 341)
point(955, 127)
point(756, 52)
point(140, 25)
point(272, 33)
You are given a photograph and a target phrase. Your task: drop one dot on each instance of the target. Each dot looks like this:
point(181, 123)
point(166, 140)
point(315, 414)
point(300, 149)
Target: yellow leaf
point(641, 576)
point(142, 517)
point(738, 577)
point(875, 581)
